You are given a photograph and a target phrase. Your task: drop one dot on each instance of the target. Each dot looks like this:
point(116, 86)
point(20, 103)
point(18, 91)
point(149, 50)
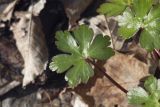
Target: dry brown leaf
point(30, 41)
point(8, 10)
point(127, 71)
point(9, 54)
point(74, 8)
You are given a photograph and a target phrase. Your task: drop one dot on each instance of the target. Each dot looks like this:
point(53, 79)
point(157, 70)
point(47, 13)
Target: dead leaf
point(74, 8)
point(9, 53)
point(127, 71)
point(101, 25)
point(7, 11)
point(37, 7)
point(30, 41)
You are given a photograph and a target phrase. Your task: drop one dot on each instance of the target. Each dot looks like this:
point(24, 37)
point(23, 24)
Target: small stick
point(108, 76)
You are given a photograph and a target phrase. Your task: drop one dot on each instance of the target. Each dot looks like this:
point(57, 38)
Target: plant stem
point(108, 76)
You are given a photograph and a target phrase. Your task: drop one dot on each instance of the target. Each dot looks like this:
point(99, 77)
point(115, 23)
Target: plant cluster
point(148, 97)
point(81, 48)
point(135, 16)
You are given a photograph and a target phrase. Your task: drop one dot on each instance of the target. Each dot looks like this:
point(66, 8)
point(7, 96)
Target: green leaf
point(99, 48)
point(66, 43)
point(137, 96)
point(151, 84)
point(126, 32)
point(113, 8)
point(152, 102)
point(79, 47)
point(142, 7)
point(154, 14)
point(81, 72)
point(84, 36)
point(150, 98)
point(62, 62)
point(146, 40)
point(158, 84)
point(129, 24)
point(145, 17)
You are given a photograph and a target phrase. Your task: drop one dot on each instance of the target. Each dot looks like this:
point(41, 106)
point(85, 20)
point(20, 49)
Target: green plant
point(137, 15)
point(80, 47)
point(140, 17)
point(148, 97)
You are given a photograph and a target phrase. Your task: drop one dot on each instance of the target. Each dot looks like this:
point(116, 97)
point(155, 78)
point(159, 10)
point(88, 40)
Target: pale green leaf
point(142, 7)
point(137, 96)
point(127, 32)
point(129, 24)
point(158, 84)
point(154, 14)
point(152, 102)
point(151, 84)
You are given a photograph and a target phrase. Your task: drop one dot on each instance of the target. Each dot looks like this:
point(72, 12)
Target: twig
point(49, 98)
point(9, 87)
point(157, 52)
point(108, 76)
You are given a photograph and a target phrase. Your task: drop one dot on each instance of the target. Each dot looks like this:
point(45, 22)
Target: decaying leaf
point(127, 71)
point(74, 8)
point(31, 44)
point(6, 12)
point(37, 7)
point(9, 54)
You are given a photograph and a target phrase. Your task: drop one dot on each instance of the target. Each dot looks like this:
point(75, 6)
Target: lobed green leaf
point(146, 98)
point(79, 47)
point(137, 96)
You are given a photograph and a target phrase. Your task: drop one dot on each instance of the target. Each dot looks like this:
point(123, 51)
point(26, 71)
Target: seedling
point(79, 47)
point(149, 96)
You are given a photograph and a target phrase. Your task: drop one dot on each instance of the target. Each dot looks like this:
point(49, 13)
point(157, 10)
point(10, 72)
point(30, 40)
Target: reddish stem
point(108, 76)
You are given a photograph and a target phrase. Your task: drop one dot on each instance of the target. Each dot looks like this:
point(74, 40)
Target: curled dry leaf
point(30, 41)
point(127, 71)
point(37, 7)
point(7, 10)
point(94, 23)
